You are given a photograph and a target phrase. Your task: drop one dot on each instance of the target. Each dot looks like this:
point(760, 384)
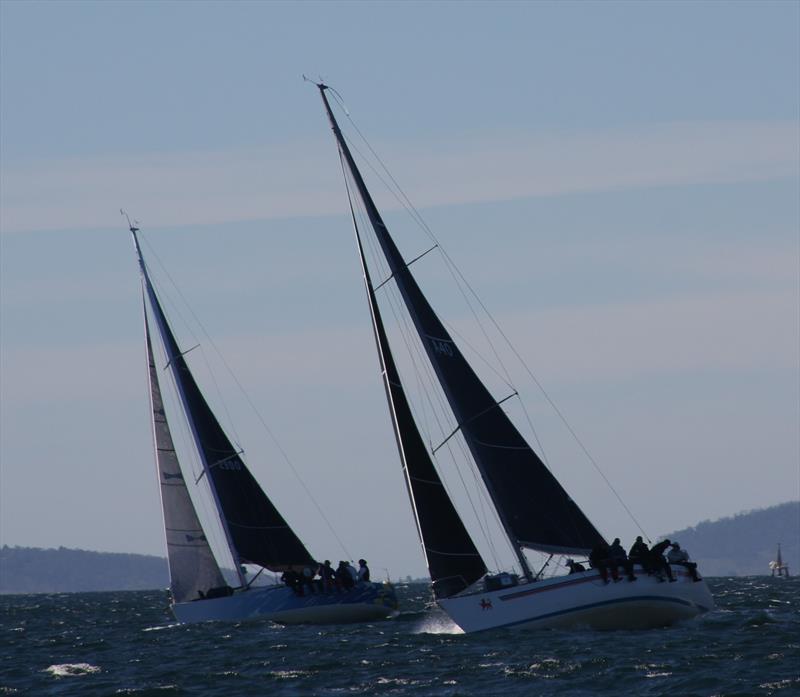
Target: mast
point(193, 570)
point(533, 508)
point(172, 356)
point(454, 562)
point(255, 530)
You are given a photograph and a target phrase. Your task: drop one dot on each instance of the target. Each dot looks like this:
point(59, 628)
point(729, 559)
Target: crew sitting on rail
point(307, 579)
point(344, 581)
point(292, 579)
point(656, 562)
point(639, 553)
point(327, 575)
point(676, 555)
point(599, 559)
point(618, 559)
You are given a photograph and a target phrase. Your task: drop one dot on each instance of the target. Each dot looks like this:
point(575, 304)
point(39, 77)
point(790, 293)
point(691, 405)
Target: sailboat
point(533, 509)
point(255, 532)
point(777, 567)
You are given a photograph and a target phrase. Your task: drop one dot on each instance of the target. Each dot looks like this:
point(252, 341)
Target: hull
point(365, 602)
point(583, 600)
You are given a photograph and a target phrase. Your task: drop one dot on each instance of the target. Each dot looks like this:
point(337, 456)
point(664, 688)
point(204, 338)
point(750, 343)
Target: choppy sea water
point(125, 643)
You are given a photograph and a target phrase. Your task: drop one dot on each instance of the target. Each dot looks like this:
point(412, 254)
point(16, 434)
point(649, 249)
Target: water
point(125, 643)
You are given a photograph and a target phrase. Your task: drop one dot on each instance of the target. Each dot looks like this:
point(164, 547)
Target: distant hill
point(744, 544)
point(32, 570)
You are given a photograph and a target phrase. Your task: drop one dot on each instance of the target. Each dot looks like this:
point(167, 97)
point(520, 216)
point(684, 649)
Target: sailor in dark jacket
point(657, 562)
point(639, 553)
point(599, 559)
point(619, 559)
point(343, 578)
point(292, 579)
point(328, 576)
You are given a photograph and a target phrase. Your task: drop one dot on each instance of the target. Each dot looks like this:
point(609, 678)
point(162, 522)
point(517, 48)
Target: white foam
point(162, 626)
point(61, 670)
point(438, 624)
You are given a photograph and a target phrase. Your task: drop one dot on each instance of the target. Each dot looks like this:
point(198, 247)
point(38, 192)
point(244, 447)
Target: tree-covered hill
point(32, 570)
point(741, 545)
point(744, 544)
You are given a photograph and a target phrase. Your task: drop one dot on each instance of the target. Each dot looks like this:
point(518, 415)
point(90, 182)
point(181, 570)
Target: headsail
point(454, 563)
point(192, 567)
point(256, 531)
point(533, 507)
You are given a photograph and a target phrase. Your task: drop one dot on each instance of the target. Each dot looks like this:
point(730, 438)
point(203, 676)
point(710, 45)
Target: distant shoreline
point(739, 545)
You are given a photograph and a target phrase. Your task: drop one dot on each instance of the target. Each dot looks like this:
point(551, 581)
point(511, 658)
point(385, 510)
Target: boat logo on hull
point(486, 604)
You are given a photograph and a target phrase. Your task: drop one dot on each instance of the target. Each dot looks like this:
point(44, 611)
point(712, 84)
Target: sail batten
point(534, 509)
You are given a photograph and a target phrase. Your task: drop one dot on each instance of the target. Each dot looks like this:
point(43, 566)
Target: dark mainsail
point(255, 529)
point(533, 507)
point(453, 561)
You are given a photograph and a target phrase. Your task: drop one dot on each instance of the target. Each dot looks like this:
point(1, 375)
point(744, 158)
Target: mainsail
point(192, 567)
point(534, 509)
point(256, 531)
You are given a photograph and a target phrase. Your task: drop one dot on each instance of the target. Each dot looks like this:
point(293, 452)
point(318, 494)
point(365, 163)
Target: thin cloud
point(300, 179)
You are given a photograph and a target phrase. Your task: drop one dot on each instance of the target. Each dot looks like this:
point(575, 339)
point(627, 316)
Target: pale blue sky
point(619, 181)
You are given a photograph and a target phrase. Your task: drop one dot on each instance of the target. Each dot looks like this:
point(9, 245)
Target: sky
point(617, 181)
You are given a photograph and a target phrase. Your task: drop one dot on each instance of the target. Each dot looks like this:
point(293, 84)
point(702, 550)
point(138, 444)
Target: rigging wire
point(177, 310)
point(456, 275)
point(412, 210)
point(483, 496)
point(463, 341)
point(413, 350)
point(186, 449)
point(428, 388)
point(250, 402)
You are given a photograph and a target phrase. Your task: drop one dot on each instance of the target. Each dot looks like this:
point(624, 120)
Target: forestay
point(534, 509)
point(256, 531)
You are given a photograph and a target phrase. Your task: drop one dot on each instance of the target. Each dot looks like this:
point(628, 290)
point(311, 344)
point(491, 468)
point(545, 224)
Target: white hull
point(583, 600)
point(280, 604)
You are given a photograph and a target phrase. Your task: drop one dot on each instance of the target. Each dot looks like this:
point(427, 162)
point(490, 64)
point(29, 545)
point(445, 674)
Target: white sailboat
point(533, 509)
point(777, 567)
point(255, 532)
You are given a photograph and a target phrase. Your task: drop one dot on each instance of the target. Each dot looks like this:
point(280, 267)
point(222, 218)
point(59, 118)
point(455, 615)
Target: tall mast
point(454, 562)
point(193, 569)
point(407, 286)
point(533, 508)
point(165, 331)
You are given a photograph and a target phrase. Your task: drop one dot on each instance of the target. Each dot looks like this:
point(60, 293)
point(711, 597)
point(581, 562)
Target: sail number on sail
point(442, 347)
